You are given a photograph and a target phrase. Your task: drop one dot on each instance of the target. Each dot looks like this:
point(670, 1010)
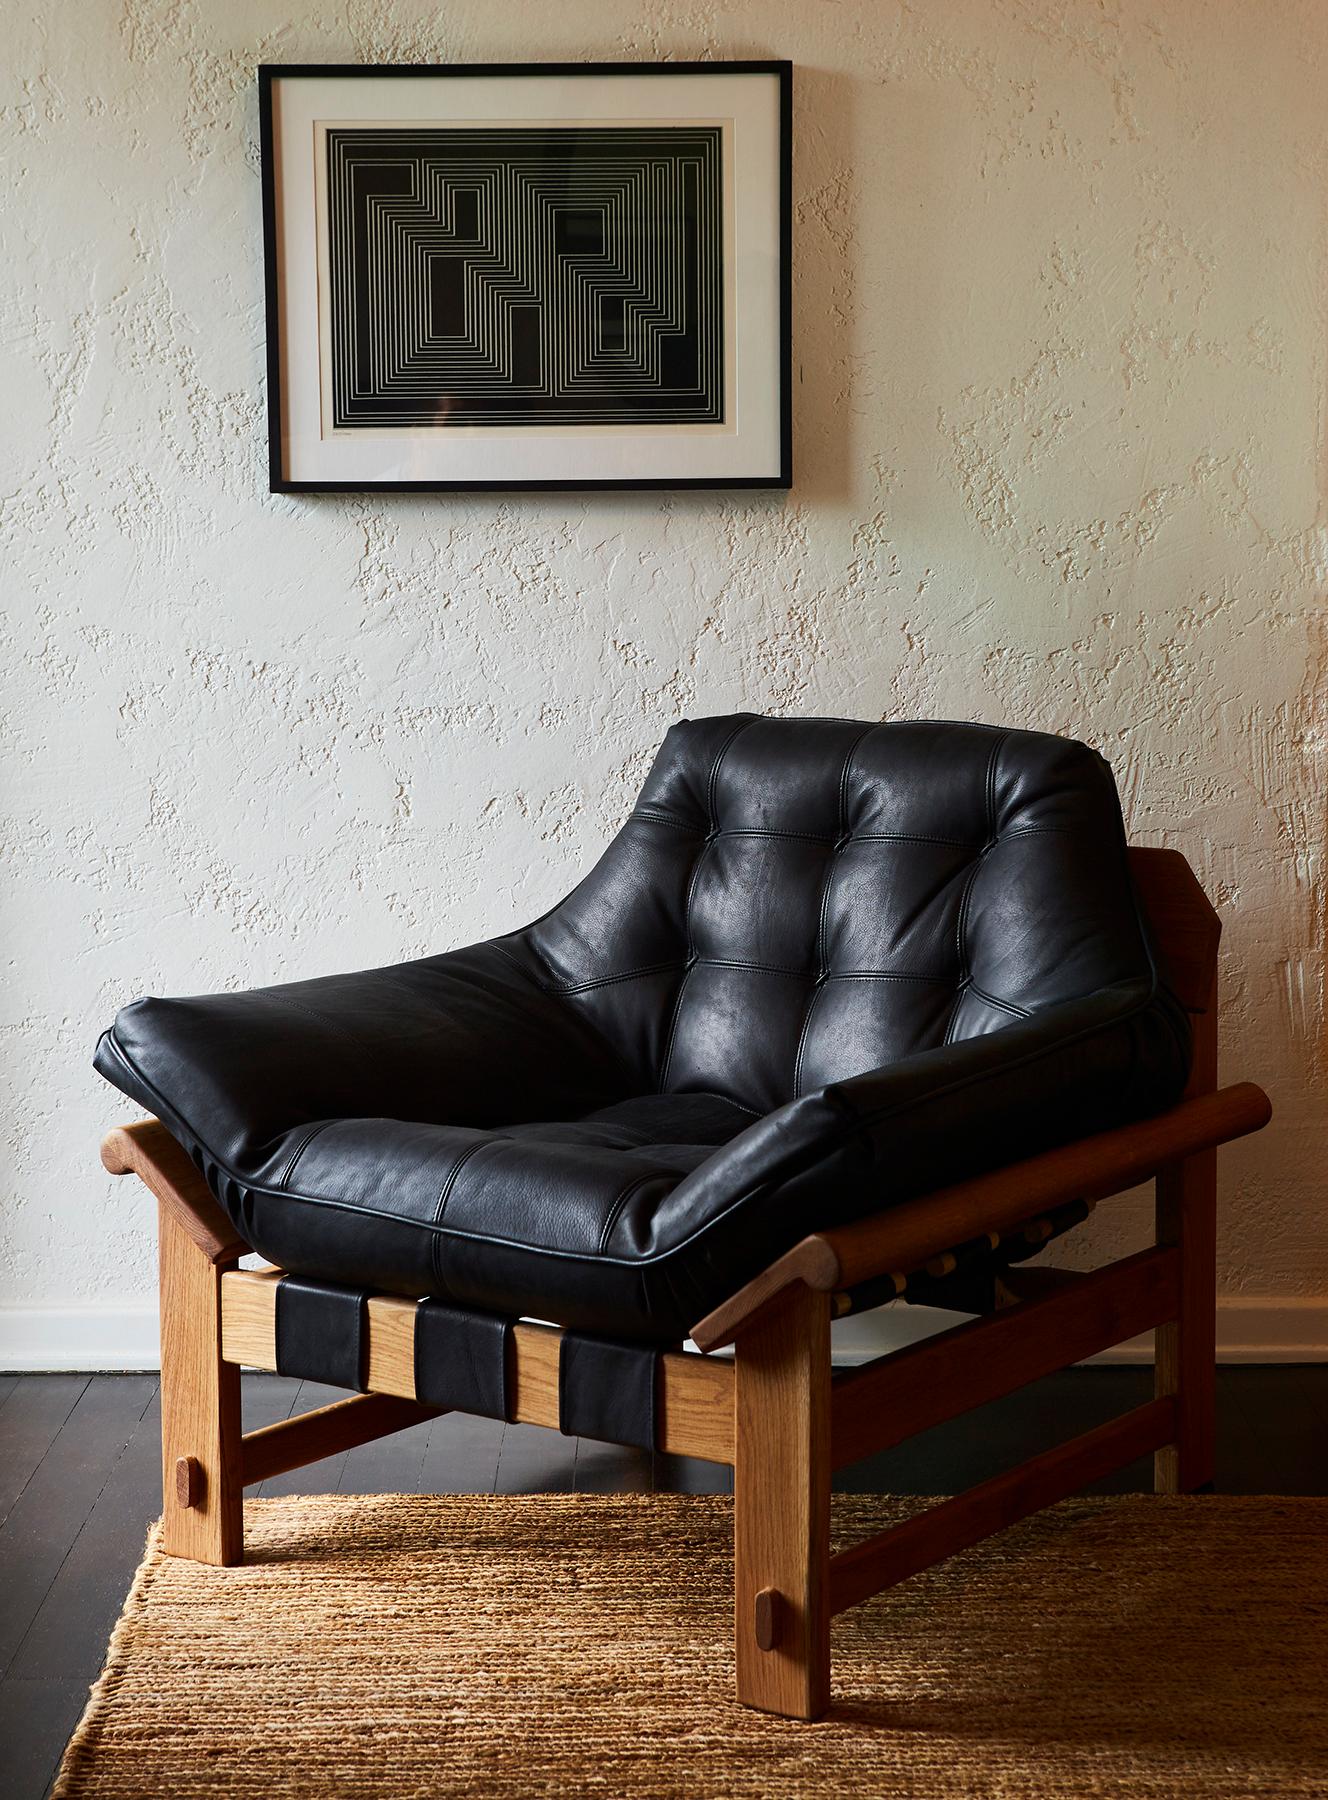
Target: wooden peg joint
point(769, 1605)
point(189, 1481)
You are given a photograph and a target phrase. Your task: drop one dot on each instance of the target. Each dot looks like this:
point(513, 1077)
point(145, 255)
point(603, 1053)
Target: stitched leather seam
point(755, 968)
point(854, 837)
point(301, 1147)
point(460, 1163)
point(710, 1094)
point(718, 764)
point(657, 816)
point(583, 987)
point(991, 787)
point(812, 998)
point(1019, 1012)
point(711, 784)
point(612, 1216)
point(274, 998)
point(1022, 831)
point(759, 968)
point(543, 986)
point(827, 883)
point(953, 1013)
point(911, 837)
point(961, 922)
point(667, 1060)
point(765, 831)
point(439, 1288)
point(886, 975)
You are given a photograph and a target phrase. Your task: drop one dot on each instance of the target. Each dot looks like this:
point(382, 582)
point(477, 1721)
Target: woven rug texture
point(429, 1646)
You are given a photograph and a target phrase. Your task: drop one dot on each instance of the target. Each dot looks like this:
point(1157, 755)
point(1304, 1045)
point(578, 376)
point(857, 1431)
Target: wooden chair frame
point(774, 1411)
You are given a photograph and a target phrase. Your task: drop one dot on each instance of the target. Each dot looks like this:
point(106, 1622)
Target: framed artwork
point(527, 275)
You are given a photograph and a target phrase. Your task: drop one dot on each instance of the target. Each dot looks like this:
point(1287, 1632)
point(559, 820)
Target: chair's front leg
point(202, 1492)
point(1186, 1348)
point(781, 1482)
point(1185, 1351)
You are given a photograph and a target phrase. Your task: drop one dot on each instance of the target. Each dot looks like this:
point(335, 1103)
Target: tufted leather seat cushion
point(824, 966)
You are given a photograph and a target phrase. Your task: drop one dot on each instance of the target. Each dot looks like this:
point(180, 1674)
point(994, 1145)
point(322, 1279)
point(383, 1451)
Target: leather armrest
point(466, 1037)
point(856, 1146)
point(902, 1237)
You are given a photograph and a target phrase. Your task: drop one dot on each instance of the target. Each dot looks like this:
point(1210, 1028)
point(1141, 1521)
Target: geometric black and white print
point(515, 275)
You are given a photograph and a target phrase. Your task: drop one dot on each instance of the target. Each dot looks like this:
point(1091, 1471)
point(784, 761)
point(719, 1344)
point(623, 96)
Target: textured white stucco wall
point(1062, 381)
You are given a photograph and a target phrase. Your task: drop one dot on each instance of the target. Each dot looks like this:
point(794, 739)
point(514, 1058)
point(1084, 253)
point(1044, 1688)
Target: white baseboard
point(117, 1338)
point(90, 1339)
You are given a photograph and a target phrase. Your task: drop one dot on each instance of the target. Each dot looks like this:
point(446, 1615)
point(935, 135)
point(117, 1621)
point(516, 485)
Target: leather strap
point(462, 1360)
point(321, 1333)
point(606, 1390)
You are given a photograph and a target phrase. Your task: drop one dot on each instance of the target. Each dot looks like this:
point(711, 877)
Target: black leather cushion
point(823, 966)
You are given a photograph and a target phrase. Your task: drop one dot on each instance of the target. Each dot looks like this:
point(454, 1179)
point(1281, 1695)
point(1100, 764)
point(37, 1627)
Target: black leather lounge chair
point(844, 1012)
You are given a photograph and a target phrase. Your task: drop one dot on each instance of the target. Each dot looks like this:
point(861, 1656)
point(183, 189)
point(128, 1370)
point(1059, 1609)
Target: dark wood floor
point(79, 1485)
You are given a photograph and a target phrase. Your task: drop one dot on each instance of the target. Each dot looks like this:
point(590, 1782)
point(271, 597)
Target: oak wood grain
point(876, 1407)
point(326, 1431)
point(781, 1508)
point(200, 1403)
point(145, 1148)
point(880, 1562)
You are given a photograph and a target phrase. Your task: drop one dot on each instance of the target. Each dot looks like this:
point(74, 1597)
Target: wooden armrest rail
point(904, 1236)
point(164, 1166)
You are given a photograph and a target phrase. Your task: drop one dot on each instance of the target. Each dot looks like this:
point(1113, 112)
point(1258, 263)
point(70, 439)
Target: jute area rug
point(418, 1646)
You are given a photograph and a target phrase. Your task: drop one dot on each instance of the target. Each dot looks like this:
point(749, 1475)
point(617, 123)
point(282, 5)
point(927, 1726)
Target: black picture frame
point(280, 482)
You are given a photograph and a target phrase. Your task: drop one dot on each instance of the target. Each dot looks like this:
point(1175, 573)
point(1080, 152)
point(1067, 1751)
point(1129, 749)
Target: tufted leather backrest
point(796, 901)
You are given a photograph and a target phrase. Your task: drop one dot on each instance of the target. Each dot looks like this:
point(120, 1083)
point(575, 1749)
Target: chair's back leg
point(202, 1495)
point(781, 1481)
point(1186, 1349)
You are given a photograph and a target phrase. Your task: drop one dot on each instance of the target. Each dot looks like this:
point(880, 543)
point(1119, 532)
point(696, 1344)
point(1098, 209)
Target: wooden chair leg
point(1186, 1349)
point(781, 1483)
point(201, 1457)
